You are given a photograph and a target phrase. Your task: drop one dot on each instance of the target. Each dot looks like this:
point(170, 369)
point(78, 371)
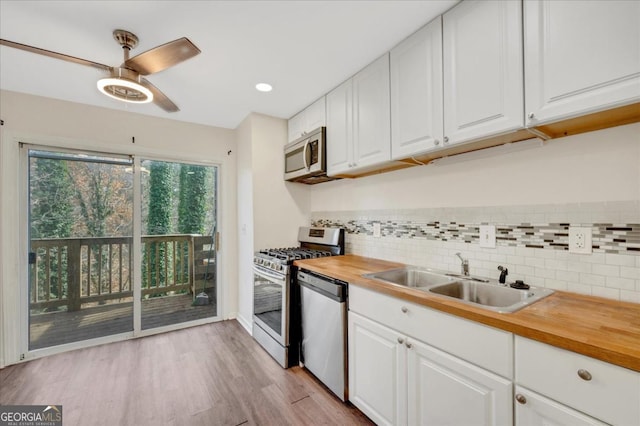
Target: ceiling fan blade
point(162, 57)
point(160, 98)
point(54, 55)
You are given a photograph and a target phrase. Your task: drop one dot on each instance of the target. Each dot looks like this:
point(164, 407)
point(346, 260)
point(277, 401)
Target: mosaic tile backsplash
point(532, 249)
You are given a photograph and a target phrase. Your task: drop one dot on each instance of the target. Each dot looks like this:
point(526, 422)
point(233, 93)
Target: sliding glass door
point(80, 256)
point(179, 205)
point(86, 270)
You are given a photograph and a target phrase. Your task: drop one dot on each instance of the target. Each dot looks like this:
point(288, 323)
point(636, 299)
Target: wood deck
point(57, 328)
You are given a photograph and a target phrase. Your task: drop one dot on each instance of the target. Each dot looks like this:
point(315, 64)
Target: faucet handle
point(503, 274)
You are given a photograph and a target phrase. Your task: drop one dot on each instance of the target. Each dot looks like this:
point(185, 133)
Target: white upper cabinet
point(339, 127)
point(358, 121)
point(416, 92)
point(307, 120)
point(483, 72)
point(371, 114)
point(580, 57)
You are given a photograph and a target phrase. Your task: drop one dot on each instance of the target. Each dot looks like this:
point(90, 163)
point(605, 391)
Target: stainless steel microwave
point(305, 159)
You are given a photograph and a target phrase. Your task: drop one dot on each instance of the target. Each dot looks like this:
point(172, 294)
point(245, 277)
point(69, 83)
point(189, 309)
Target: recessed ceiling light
point(264, 87)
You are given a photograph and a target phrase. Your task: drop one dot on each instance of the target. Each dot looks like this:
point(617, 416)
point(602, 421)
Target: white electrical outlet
point(376, 230)
point(579, 239)
point(488, 236)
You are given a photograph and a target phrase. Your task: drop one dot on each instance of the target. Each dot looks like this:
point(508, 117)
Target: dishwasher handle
point(326, 286)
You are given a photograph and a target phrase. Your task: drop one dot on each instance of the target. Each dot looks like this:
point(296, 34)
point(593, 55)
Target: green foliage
point(160, 195)
point(159, 217)
point(192, 208)
point(51, 208)
point(51, 199)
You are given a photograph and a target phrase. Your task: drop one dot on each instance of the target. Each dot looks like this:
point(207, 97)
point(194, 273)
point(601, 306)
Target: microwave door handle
point(304, 154)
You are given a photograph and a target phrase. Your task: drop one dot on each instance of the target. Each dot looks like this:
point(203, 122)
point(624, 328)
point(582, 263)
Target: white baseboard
point(247, 324)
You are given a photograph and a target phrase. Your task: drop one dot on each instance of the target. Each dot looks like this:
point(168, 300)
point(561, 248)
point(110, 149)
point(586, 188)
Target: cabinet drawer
point(612, 394)
point(484, 346)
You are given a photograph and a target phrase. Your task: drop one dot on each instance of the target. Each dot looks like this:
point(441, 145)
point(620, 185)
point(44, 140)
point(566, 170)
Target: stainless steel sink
point(474, 291)
point(490, 296)
point(412, 277)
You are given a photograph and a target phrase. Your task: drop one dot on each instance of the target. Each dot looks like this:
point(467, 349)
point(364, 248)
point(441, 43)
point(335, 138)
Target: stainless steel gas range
point(276, 300)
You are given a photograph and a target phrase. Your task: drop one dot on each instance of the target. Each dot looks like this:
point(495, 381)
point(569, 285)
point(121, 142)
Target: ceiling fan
point(125, 82)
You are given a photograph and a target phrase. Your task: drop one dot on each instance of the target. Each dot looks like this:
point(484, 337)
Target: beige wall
point(591, 167)
point(52, 122)
point(269, 209)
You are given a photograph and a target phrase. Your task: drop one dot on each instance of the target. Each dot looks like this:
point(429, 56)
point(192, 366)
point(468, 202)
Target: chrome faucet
point(464, 267)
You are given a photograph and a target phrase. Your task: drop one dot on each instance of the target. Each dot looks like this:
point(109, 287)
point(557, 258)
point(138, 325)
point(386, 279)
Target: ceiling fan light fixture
point(121, 86)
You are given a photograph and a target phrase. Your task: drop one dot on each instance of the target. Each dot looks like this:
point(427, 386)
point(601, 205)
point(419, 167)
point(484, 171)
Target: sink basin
point(490, 296)
point(474, 291)
point(411, 277)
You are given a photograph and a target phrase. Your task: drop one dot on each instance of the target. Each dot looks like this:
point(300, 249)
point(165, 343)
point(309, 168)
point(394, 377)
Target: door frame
point(21, 314)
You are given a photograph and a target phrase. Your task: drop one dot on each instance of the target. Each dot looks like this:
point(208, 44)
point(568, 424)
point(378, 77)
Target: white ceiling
point(302, 48)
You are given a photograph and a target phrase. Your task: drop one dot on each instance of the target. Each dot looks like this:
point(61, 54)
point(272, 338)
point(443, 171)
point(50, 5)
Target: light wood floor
point(214, 374)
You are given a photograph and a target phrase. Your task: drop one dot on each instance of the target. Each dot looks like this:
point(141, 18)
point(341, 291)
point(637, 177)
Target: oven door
point(271, 303)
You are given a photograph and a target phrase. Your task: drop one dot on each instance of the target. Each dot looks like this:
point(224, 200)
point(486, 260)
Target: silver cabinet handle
point(446, 139)
point(408, 345)
point(400, 340)
point(531, 116)
point(521, 399)
point(404, 309)
point(584, 375)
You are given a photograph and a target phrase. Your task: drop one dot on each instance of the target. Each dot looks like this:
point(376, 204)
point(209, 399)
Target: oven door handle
point(271, 275)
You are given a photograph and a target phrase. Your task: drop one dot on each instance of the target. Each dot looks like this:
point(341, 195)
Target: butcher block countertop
point(604, 329)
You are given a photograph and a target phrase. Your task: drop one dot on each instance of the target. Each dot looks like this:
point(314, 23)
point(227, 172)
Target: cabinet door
point(416, 92)
point(483, 80)
point(444, 390)
point(377, 371)
point(296, 126)
point(339, 129)
point(535, 410)
point(580, 57)
point(315, 115)
point(371, 114)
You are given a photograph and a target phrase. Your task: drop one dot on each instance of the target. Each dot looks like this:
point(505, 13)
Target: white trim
point(246, 324)
point(136, 248)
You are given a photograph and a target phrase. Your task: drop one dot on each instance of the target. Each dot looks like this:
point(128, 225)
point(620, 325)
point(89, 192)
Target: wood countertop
point(604, 329)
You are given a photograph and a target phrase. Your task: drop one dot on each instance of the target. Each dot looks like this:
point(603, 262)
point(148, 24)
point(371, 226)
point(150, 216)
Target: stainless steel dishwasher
point(324, 330)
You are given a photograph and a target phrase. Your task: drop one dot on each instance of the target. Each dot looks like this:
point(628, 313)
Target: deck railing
point(75, 271)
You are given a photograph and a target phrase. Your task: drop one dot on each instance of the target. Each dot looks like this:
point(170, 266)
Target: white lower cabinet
point(579, 384)
point(533, 409)
point(396, 380)
point(377, 371)
point(445, 390)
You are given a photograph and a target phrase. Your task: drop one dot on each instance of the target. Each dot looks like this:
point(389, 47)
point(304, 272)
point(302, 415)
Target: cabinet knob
point(531, 116)
point(521, 399)
point(404, 309)
point(408, 345)
point(400, 340)
point(584, 375)
point(446, 139)
point(436, 142)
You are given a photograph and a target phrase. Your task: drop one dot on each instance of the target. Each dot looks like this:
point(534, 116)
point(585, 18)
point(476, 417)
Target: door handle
point(304, 155)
